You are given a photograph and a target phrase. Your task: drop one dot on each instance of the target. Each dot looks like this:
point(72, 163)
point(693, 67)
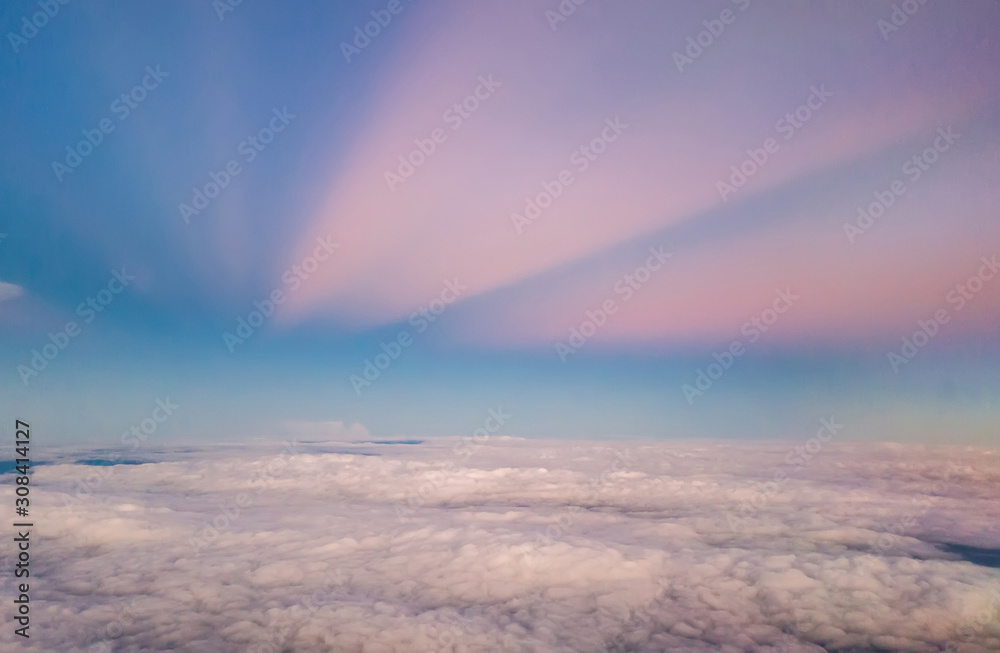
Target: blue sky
point(543, 94)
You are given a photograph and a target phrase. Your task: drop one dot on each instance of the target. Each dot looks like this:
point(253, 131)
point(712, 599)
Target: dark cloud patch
point(9, 466)
point(391, 442)
point(974, 554)
point(108, 462)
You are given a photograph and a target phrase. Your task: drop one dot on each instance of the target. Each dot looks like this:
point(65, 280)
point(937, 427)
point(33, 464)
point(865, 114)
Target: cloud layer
point(511, 545)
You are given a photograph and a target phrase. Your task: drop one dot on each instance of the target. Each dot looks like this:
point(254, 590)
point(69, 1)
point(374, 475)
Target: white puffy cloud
point(514, 545)
point(10, 291)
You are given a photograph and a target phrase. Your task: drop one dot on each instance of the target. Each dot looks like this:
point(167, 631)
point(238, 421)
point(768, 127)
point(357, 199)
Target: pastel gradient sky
point(554, 87)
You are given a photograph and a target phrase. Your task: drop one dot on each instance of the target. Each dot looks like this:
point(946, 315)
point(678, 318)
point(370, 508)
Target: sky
point(608, 220)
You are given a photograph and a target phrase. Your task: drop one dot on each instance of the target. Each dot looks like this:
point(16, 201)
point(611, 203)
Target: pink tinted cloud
point(905, 268)
point(452, 217)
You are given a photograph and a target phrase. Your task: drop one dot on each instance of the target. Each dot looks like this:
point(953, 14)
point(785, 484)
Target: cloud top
point(515, 545)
